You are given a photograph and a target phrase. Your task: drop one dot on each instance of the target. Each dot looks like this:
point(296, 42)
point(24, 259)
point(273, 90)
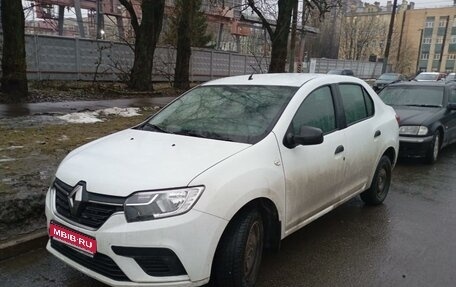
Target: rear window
point(413, 96)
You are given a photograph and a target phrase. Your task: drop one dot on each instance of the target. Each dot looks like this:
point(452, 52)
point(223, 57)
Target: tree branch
point(265, 22)
point(133, 17)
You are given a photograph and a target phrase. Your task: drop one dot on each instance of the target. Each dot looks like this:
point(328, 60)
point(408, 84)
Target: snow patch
point(94, 117)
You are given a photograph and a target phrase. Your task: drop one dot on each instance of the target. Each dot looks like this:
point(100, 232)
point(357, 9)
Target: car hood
point(415, 115)
point(134, 160)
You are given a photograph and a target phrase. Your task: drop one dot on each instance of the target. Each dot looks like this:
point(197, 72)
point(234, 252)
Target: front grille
point(157, 262)
point(93, 211)
point(99, 263)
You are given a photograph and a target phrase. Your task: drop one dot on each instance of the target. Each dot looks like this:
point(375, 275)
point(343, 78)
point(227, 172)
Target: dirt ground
point(30, 150)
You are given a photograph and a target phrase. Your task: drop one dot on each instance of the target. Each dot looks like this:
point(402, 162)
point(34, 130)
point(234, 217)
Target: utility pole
point(294, 24)
point(388, 40)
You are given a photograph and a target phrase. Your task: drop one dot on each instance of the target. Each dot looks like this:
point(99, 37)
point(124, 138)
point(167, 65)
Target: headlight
point(413, 130)
point(147, 205)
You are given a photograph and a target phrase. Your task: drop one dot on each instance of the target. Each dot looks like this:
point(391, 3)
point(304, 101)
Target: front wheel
point(238, 257)
point(381, 182)
point(434, 149)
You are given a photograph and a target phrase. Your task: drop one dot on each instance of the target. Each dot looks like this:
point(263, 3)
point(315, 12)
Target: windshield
point(413, 96)
point(427, 77)
point(388, 77)
point(232, 113)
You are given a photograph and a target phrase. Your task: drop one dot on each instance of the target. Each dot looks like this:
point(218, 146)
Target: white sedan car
point(196, 192)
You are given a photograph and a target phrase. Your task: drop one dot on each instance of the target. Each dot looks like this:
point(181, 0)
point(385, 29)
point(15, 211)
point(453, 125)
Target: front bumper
point(193, 237)
point(414, 146)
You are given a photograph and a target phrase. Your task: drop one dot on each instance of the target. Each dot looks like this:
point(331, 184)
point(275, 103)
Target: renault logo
point(75, 198)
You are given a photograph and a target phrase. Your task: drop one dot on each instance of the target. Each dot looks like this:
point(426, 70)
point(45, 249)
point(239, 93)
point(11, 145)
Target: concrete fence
point(364, 70)
point(62, 58)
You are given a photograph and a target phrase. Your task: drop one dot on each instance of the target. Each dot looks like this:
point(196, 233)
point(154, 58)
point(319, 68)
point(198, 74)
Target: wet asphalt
point(410, 240)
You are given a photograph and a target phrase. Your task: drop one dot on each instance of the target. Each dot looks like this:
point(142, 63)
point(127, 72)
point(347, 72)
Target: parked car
point(427, 116)
point(233, 166)
point(451, 77)
point(345, 72)
point(386, 79)
point(430, 76)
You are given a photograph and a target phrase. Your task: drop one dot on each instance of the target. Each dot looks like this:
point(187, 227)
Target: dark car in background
point(427, 112)
point(345, 72)
point(386, 79)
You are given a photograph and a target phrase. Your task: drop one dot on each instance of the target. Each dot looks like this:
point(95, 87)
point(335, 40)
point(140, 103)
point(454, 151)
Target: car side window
point(317, 110)
point(355, 104)
point(452, 97)
point(369, 103)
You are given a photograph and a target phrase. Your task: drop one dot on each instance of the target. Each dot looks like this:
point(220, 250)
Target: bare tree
point(146, 33)
point(14, 77)
point(362, 37)
point(279, 33)
point(187, 10)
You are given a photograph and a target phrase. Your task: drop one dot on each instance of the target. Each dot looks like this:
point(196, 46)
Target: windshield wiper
point(424, 105)
point(151, 127)
point(206, 135)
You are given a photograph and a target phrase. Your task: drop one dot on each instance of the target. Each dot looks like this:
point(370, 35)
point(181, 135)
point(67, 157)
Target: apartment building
point(427, 40)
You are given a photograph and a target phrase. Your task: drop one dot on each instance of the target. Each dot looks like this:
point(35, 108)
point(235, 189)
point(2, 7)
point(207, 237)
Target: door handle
point(377, 134)
point(339, 149)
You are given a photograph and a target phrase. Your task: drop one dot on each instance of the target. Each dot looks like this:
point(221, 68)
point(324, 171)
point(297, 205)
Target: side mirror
point(307, 136)
point(451, 106)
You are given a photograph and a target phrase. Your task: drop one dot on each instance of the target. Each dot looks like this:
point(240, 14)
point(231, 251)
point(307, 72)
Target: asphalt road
point(410, 240)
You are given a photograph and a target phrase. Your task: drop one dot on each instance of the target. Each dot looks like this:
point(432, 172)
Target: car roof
point(429, 73)
point(423, 84)
point(282, 79)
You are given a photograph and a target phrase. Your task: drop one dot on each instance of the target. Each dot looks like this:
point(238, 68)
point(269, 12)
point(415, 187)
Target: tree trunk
point(14, 78)
point(146, 40)
point(280, 37)
point(184, 31)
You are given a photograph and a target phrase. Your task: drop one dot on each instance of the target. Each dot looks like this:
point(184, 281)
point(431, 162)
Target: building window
point(442, 23)
point(425, 56)
point(427, 40)
point(454, 21)
point(437, 56)
point(439, 39)
point(451, 56)
point(429, 24)
point(453, 39)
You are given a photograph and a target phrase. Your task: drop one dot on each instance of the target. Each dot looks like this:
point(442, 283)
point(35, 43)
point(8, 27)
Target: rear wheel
point(381, 182)
point(434, 149)
point(238, 257)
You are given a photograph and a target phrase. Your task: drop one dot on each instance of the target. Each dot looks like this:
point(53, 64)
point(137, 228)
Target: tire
point(381, 182)
point(238, 257)
point(434, 149)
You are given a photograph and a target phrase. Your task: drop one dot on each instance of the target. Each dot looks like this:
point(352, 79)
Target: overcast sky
point(420, 3)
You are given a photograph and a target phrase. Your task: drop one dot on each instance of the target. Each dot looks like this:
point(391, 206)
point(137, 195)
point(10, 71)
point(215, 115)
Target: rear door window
point(357, 103)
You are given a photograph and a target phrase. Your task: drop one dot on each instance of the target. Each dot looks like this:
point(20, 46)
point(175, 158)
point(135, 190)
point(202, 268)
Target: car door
point(363, 136)
point(313, 172)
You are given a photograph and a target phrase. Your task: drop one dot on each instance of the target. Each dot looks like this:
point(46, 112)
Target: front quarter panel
point(256, 172)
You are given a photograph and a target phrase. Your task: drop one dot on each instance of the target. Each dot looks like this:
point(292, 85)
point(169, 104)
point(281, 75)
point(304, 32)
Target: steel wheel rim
point(381, 180)
point(252, 250)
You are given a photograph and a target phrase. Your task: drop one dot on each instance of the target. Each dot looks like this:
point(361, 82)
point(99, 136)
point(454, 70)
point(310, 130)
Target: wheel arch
point(270, 215)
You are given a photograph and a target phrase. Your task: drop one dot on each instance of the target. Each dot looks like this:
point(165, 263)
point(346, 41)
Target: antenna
point(251, 77)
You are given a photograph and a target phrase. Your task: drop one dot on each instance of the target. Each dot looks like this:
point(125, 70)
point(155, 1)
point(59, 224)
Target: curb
point(23, 244)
